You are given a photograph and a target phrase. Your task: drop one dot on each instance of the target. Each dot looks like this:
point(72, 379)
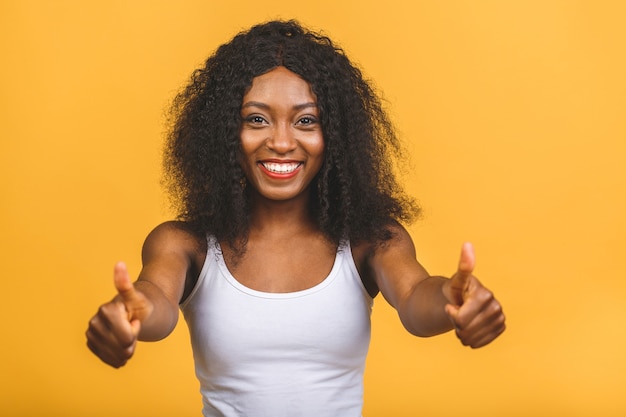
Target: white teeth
point(281, 168)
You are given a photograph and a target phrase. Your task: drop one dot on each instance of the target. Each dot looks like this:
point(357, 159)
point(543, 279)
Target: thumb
point(467, 260)
point(460, 280)
point(122, 282)
point(137, 305)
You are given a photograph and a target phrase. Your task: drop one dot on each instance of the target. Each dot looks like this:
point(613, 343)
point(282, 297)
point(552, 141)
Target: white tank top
point(295, 354)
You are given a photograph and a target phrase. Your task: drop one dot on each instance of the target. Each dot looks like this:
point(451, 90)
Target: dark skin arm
point(430, 305)
point(148, 309)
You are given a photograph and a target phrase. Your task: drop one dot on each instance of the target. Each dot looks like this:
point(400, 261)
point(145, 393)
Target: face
point(281, 137)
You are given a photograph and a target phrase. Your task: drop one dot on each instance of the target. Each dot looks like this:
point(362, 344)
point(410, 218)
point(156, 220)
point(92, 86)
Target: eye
point(306, 121)
point(255, 119)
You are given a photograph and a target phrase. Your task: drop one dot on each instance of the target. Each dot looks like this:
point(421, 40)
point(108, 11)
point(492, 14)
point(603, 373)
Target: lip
point(263, 166)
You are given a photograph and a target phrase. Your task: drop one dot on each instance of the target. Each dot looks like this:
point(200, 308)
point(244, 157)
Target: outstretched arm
point(148, 309)
point(430, 305)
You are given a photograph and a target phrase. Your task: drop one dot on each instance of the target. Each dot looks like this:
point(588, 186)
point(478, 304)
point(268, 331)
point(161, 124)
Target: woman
point(280, 160)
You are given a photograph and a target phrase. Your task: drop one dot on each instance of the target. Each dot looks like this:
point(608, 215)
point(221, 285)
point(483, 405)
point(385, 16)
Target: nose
point(281, 139)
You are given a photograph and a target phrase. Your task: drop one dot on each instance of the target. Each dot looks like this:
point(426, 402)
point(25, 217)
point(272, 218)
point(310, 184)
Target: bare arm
point(429, 305)
point(148, 309)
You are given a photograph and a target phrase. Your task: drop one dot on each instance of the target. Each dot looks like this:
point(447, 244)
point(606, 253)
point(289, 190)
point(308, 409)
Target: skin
point(285, 251)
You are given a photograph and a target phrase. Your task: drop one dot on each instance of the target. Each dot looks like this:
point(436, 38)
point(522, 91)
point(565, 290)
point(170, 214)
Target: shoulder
point(174, 229)
point(173, 255)
point(175, 237)
point(371, 257)
point(399, 240)
point(391, 266)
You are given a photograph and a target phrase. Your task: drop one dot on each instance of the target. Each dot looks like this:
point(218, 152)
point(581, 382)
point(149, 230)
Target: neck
point(275, 218)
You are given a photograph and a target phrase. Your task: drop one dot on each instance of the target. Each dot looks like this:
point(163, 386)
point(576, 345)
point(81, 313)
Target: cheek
point(244, 155)
point(319, 149)
point(247, 145)
point(322, 148)
point(315, 145)
point(317, 157)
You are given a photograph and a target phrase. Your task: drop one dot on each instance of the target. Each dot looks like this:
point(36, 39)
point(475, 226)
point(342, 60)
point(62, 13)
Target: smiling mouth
point(281, 168)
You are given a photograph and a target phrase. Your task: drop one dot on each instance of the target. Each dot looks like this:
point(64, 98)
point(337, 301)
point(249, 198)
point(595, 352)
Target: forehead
point(280, 84)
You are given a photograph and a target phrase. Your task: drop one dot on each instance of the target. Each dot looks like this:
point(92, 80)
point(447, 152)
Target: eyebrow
point(265, 106)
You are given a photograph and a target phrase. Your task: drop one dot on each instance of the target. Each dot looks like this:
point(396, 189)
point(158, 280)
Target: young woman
point(280, 160)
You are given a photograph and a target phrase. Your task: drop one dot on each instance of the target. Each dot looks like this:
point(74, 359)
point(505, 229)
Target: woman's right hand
point(113, 332)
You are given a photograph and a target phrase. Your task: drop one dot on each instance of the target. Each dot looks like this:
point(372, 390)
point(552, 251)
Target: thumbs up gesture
point(113, 332)
point(475, 313)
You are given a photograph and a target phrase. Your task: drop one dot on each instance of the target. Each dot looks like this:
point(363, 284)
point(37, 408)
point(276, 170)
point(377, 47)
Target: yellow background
point(513, 114)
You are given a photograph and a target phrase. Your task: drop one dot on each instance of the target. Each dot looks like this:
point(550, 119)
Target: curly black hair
point(355, 195)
